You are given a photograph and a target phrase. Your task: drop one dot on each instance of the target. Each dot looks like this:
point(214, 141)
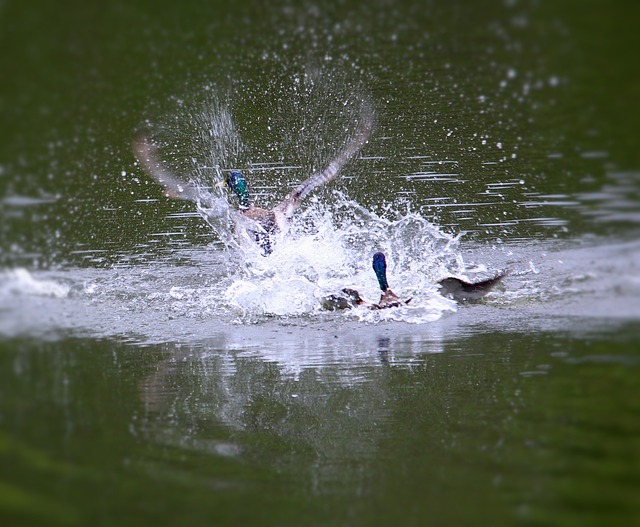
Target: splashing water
point(18, 282)
point(329, 245)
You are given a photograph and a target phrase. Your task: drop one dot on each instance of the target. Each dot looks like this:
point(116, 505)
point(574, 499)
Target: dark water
point(152, 375)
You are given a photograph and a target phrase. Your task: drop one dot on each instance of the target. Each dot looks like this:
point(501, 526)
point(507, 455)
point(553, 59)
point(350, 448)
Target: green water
point(538, 429)
point(514, 123)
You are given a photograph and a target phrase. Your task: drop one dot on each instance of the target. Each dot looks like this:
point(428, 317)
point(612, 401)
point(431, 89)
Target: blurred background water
point(153, 372)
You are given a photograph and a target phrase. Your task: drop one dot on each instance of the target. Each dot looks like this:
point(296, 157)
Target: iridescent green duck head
point(236, 182)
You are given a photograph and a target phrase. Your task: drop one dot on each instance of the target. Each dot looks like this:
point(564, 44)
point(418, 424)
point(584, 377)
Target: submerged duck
point(388, 298)
point(260, 223)
point(351, 298)
point(455, 288)
point(463, 291)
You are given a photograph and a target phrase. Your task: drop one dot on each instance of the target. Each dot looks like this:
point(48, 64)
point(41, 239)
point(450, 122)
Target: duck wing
point(174, 186)
point(463, 291)
point(485, 286)
point(346, 299)
point(291, 203)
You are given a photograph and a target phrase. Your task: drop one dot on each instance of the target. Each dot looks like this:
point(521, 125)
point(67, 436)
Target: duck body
point(261, 224)
point(456, 288)
point(349, 298)
point(346, 299)
point(388, 298)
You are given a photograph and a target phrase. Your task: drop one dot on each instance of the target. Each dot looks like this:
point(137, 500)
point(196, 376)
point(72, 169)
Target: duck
point(388, 298)
point(463, 291)
point(350, 298)
point(261, 224)
point(452, 287)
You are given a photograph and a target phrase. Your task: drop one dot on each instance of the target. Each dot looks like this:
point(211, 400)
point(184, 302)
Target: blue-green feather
point(236, 182)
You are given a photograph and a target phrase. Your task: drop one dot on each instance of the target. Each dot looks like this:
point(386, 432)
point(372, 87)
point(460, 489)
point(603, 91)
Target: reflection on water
point(467, 428)
point(616, 202)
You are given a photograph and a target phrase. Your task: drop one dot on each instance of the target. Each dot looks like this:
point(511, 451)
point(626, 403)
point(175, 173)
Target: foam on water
point(321, 255)
point(19, 282)
point(327, 248)
point(223, 296)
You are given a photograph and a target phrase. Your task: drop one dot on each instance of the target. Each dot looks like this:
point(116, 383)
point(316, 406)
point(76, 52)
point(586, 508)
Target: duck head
point(380, 268)
point(236, 182)
point(388, 298)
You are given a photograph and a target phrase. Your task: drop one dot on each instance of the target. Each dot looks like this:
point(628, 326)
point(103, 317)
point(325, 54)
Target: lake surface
point(155, 370)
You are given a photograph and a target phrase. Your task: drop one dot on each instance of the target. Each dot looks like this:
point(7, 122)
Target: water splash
point(330, 243)
point(329, 247)
point(19, 282)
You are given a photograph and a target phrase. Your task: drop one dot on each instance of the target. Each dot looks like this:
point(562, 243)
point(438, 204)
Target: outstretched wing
point(361, 136)
point(462, 291)
point(486, 285)
point(174, 187)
